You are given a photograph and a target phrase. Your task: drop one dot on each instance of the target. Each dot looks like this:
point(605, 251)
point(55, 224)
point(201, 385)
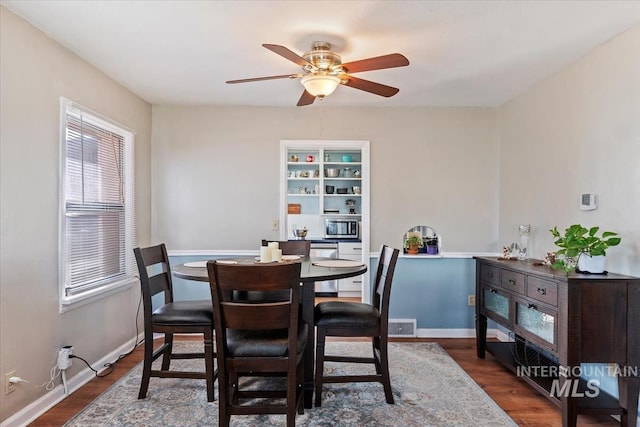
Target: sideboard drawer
point(542, 290)
point(512, 281)
point(536, 323)
point(496, 304)
point(490, 274)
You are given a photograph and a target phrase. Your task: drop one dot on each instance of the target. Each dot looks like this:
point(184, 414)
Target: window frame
point(128, 278)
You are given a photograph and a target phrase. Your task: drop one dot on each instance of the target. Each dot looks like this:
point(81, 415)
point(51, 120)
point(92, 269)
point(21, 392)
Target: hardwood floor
point(521, 402)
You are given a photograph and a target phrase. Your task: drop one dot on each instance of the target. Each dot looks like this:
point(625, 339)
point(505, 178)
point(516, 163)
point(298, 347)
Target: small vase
point(591, 264)
point(525, 231)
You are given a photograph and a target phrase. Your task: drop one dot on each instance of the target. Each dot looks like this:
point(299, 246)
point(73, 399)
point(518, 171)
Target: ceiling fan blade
point(373, 87)
point(288, 54)
point(378, 63)
point(306, 99)
point(257, 79)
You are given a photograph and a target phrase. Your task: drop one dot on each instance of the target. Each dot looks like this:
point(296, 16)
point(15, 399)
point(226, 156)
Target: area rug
point(429, 389)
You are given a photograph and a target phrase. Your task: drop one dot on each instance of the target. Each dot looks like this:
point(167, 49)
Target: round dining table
point(312, 270)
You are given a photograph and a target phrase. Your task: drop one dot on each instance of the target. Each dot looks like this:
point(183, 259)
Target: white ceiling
point(461, 53)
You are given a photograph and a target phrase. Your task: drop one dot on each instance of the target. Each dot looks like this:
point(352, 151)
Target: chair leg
point(208, 362)
point(386, 378)
point(292, 394)
point(166, 357)
point(223, 398)
point(321, 333)
point(146, 368)
point(300, 387)
point(375, 341)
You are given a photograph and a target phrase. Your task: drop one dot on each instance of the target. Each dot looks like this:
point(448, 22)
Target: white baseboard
point(49, 400)
point(457, 333)
point(500, 335)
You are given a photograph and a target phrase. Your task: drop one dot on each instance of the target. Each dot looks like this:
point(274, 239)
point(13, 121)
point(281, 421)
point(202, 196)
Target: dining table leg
point(308, 304)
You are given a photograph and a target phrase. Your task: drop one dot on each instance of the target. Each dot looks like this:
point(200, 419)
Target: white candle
point(276, 255)
point(265, 254)
point(273, 245)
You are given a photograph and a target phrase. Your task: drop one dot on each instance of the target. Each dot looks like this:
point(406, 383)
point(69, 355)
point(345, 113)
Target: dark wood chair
point(258, 339)
point(172, 317)
point(352, 319)
point(292, 247)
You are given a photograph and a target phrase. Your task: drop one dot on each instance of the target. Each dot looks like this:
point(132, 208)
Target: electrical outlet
point(9, 387)
point(275, 225)
point(471, 300)
point(64, 359)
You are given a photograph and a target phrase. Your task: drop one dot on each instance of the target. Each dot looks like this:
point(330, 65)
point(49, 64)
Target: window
point(97, 213)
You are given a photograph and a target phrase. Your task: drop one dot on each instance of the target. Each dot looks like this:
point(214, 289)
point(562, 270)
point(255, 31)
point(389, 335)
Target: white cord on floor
point(64, 382)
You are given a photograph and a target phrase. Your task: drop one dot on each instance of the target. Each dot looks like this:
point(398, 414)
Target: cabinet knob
point(532, 306)
point(542, 291)
point(493, 291)
point(512, 282)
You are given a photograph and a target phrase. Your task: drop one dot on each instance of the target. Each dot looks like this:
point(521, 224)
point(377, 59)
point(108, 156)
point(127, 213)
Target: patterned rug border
point(429, 387)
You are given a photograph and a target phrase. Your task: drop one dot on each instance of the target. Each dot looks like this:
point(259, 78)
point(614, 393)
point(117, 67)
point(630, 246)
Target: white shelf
point(327, 154)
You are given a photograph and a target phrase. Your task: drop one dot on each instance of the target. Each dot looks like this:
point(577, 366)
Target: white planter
point(591, 264)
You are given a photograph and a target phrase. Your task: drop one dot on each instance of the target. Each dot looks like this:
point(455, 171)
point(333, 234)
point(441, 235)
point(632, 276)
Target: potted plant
point(413, 244)
point(582, 248)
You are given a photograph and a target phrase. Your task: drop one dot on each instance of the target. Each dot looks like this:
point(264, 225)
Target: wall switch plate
point(471, 300)
point(275, 225)
point(9, 387)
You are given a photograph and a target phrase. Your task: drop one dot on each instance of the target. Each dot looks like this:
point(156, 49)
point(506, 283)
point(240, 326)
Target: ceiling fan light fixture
point(320, 85)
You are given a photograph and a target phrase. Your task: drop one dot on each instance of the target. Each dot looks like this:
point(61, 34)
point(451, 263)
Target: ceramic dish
point(338, 263)
point(284, 258)
point(196, 264)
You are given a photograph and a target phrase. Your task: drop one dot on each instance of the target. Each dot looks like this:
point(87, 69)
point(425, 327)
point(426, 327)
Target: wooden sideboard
point(557, 322)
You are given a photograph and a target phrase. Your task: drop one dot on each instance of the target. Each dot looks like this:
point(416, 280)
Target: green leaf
point(614, 241)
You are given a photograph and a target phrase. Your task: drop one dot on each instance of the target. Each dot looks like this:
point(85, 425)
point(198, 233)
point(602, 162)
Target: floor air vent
point(402, 327)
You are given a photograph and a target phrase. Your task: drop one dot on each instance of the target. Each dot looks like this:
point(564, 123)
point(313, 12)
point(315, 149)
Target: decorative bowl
point(300, 233)
point(332, 172)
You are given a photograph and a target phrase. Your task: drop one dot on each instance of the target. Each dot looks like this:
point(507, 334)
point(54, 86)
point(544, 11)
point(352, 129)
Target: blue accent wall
point(433, 291)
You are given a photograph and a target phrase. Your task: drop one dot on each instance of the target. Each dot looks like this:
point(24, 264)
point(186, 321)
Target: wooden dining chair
point(353, 319)
point(258, 339)
point(171, 317)
point(292, 247)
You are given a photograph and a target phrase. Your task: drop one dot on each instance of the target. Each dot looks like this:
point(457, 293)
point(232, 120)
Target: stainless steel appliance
point(327, 288)
point(341, 227)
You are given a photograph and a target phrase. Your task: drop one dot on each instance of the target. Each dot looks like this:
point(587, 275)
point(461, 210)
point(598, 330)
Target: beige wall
point(215, 172)
point(577, 132)
point(34, 73)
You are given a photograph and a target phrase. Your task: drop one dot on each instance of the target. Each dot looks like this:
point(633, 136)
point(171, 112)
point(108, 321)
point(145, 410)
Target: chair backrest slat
point(292, 247)
point(256, 316)
point(384, 279)
point(159, 283)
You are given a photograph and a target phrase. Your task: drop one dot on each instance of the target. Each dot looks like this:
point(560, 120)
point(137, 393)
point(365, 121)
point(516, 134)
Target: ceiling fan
point(323, 71)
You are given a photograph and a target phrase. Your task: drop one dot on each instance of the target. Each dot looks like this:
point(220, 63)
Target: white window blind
point(97, 226)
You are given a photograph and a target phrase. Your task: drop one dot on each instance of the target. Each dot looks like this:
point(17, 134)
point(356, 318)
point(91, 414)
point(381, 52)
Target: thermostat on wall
point(588, 202)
